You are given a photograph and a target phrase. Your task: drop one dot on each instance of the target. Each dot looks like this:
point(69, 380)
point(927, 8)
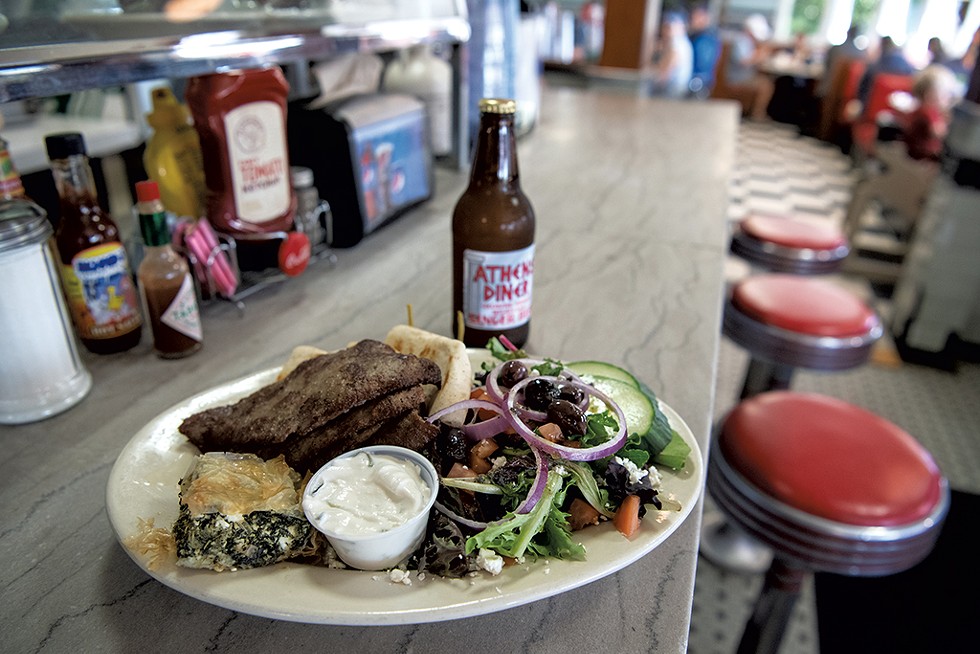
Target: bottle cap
point(147, 191)
point(167, 112)
point(300, 176)
point(498, 106)
point(62, 146)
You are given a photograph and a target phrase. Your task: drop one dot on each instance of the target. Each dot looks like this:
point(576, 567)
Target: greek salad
point(546, 448)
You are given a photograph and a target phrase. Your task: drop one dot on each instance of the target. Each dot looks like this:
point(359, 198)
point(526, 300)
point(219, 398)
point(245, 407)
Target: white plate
point(143, 484)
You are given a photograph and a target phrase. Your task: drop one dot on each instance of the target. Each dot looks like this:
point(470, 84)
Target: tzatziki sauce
point(366, 494)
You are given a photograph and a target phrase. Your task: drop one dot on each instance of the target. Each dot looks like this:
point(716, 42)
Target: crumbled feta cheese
point(490, 561)
point(655, 477)
point(395, 575)
point(499, 462)
point(561, 470)
point(636, 474)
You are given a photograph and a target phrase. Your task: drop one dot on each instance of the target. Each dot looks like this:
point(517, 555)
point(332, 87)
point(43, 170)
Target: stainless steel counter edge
point(630, 195)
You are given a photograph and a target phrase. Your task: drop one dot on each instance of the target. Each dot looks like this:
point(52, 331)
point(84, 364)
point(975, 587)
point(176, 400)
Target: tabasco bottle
point(165, 278)
point(493, 236)
point(95, 271)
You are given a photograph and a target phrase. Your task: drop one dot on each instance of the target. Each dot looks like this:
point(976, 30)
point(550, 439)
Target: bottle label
point(10, 184)
point(259, 163)
point(497, 288)
point(101, 293)
point(182, 315)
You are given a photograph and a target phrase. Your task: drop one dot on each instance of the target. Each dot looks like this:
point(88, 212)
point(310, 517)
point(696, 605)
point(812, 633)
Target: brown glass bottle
point(171, 301)
point(493, 237)
point(95, 271)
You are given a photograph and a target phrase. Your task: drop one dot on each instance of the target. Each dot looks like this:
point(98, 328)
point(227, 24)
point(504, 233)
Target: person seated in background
point(905, 169)
point(890, 60)
point(925, 128)
point(706, 47)
point(846, 51)
point(801, 50)
point(749, 48)
point(963, 67)
point(673, 59)
point(937, 53)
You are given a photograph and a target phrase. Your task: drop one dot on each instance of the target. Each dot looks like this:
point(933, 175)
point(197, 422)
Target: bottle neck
point(153, 224)
point(495, 160)
point(74, 180)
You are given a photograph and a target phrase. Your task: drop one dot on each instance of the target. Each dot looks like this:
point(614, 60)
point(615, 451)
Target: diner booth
point(666, 234)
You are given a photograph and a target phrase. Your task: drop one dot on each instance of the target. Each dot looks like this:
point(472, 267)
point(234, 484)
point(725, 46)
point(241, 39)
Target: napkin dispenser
point(370, 156)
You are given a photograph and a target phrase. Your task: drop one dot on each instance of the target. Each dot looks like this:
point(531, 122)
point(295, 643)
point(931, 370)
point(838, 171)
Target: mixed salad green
point(547, 448)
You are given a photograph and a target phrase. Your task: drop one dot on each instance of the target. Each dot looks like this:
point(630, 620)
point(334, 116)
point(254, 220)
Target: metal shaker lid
point(22, 223)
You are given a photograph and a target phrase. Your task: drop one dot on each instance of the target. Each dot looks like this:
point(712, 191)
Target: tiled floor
point(779, 171)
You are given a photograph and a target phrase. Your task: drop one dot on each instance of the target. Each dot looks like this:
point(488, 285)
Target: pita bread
point(447, 353)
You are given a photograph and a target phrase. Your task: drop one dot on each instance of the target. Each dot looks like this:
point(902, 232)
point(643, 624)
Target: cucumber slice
point(636, 406)
point(675, 454)
point(602, 369)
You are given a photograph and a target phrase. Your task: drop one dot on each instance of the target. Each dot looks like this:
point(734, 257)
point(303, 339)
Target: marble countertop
point(630, 196)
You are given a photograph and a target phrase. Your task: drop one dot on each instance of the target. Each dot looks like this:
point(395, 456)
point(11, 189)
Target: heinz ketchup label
point(259, 162)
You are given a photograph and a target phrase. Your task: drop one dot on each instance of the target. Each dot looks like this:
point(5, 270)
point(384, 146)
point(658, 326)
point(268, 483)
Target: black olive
point(573, 394)
point(568, 416)
point(539, 394)
point(512, 372)
point(452, 444)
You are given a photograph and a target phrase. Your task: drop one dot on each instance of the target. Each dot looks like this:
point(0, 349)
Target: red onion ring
point(465, 404)
point(537, 488)
point(477, 431)
point(563, 451)
point(455, 517)
point(506, 342)
point(497, 394)
point(503, 404)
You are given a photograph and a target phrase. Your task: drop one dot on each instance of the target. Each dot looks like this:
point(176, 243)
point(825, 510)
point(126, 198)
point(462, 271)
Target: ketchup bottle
point(240, 117)
point(95, 270)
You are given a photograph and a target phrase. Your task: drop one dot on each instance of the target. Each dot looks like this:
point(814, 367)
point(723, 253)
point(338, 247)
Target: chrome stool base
point(730, 548)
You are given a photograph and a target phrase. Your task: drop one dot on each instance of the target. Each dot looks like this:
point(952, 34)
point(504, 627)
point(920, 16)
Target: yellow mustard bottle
point(173, 156)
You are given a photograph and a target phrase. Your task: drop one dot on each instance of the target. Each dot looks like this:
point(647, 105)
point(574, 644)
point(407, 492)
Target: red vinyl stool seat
point(787, 322)
point(787, 245)
point(830, 487)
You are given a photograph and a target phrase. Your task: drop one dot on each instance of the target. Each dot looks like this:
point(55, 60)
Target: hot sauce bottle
point(95, 271)
point(165, 278)
point(493, 236)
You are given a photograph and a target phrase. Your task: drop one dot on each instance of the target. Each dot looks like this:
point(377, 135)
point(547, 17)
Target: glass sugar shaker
point(42, 372)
